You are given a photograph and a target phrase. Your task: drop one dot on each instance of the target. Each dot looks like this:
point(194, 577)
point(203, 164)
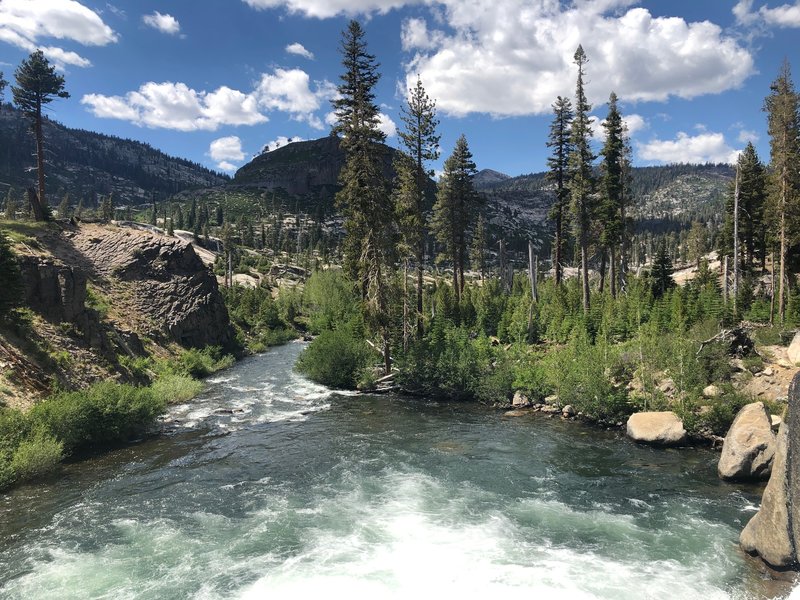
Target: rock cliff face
point(56, 291)
point(774, 532)
point(157, 282)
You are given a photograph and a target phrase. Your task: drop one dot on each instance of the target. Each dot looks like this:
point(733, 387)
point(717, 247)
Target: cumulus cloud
point(386, 125)
point(525, 48)
point(171, 105)
point(701, 148)
point(163, 23)
point(226, 148)
point(300, 50)
point(290, 90)
point(785, 15)
point(280, 142)
point(176, 106)
point(25, 23)
point(323, 9)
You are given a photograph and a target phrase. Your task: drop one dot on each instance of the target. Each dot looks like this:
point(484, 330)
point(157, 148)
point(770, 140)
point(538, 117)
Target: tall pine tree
point(364, 199)
point(581, 183)
point(559, 140)
point(37, 85)
point(456, 207)
point(783, 120)
point(421, 142)
point(613, 187)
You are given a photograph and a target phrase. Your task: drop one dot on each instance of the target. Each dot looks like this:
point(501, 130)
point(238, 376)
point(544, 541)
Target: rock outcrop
point(57, 292)
point(160, 283)
point(774, 532)
point(657, 428)
point(749, 446)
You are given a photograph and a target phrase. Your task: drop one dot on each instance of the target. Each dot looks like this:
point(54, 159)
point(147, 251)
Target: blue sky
point(217, 80)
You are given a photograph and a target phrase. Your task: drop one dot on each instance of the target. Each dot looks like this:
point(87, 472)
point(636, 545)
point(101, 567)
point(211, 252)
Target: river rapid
point(268, 486)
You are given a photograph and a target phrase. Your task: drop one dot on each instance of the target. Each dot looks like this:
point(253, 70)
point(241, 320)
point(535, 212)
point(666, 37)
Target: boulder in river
point(520, 400)
point(749, 447)
point(657, 428)
point(774, 532)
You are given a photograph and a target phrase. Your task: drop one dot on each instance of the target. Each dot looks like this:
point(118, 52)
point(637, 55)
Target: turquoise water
point(269, 486)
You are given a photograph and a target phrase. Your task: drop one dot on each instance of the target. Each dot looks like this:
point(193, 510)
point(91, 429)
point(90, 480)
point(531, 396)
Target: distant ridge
point(86, 164)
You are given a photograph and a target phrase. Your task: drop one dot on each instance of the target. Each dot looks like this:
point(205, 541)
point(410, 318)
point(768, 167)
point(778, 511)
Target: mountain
point(661, 195)
point(87, 164)
point(487, 178)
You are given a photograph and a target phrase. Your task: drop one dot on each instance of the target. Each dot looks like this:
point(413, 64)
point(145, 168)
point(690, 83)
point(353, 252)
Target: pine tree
point(107, 208)
point(697, 243)
point(479, 245)
point(422, 145)
point(581, 182)
point(456, 207)
point(784, 130)
point(154, 212)
point(37, 85)
point(612, 203)
point(63, 208)
point(168, 220)
point(559, 140)
point(752, 203)
point(662, 271)
point(179, 217)
point(218, 215)
point(364, 199)
point(191, 221)
point(79, 209)
point(11, 205)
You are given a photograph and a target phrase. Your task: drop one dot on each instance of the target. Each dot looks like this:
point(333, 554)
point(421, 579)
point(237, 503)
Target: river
point(270, 486)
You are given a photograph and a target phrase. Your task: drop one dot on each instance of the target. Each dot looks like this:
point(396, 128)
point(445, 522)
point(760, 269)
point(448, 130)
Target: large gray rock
point(774, 532)
point(749, 447)
point(657, 428)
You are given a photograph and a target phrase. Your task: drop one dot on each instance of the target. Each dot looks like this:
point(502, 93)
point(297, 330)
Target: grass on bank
point(32, 444)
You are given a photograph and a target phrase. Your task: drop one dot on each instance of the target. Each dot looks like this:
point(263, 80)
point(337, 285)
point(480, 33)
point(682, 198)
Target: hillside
point(87, 164)
point(98, 298)
point(661, 194)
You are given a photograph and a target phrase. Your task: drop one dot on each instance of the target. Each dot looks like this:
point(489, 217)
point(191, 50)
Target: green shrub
point(36, 456)
point(202, 363)
point(175, 388)
point(336, 358)
point(329, 300)
point(102, 414)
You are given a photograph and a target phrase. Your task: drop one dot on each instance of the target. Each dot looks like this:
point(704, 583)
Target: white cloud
point(386, 125)
point(25, 23)
point(635, 123)
point(525, 48)
point(746, 135)
point(163, 23)
point(323, 9)
point(414, 35)
point(289, 90)
point(176, 106)
point(300, 50)
point(785, 15)
point(701, 148)
point(226, 148)
point(226, 166)
point(280, 142)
